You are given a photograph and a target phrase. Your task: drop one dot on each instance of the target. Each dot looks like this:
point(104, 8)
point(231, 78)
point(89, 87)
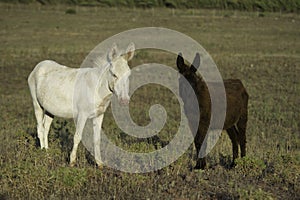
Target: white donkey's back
point(52, 87)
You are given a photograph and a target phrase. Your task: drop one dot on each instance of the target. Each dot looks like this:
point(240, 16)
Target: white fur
point(79, 93)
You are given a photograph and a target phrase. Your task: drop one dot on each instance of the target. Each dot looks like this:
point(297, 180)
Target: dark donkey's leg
point(201, 162)
point(233, 135)
point(242, 125)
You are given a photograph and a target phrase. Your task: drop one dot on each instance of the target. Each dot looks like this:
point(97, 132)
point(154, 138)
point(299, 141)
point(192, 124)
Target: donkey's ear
point(180, 62)
point(130, 51)
point(113, 52)
point(196, 63)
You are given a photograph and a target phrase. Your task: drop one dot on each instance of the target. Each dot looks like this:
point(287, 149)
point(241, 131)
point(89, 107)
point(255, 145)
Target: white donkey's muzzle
point(124, 101)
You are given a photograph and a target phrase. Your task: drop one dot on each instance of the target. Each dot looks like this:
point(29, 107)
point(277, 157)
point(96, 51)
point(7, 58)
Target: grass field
point(262, 51)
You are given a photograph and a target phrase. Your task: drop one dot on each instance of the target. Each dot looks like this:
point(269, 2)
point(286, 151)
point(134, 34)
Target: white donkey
point(79, 93)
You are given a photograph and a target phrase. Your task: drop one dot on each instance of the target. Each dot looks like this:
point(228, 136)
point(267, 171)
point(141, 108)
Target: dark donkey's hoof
point(232, 165)
point(201, 164)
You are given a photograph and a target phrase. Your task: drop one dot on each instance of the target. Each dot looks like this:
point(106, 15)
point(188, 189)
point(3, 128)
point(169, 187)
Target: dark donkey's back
point(236, 111)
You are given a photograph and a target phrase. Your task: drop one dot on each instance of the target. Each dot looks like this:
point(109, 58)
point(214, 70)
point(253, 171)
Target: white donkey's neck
point(103, 94)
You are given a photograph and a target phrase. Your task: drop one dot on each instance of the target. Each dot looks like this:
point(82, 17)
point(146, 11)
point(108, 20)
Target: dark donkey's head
point(189, 72)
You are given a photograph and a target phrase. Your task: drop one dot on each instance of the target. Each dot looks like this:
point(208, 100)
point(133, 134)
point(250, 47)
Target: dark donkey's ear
point(180, 62)
point(196, 63)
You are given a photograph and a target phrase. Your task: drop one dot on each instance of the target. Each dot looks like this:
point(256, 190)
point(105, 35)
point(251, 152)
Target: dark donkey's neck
point(202, 93)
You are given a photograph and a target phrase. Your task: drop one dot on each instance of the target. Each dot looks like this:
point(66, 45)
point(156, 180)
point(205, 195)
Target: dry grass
point(261, 51)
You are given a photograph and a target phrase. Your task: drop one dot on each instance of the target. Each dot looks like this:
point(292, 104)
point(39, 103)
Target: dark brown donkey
point(236, 110)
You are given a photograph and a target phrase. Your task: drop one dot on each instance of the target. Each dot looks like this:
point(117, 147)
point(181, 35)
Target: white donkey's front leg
point(97, 124)
point(80, 123)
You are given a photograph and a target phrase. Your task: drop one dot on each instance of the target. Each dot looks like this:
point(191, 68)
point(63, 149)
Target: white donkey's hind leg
point(80, 123)
point(38, 110)
point(47, 122)
point(39, 115)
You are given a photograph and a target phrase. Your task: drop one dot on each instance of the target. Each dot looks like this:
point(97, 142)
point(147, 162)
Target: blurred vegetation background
point(244, 5)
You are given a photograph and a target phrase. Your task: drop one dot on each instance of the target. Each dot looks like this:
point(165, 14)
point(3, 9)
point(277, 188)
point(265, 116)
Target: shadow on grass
point(154, 140)
point(4, 196)
point(63, 137)
point(225, 196)
point(33, 133)
point(226, 161)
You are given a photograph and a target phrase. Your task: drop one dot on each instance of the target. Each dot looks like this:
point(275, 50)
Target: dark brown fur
point(236, 110)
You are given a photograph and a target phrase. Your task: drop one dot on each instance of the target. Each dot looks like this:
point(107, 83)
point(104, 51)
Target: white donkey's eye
point(115, 76)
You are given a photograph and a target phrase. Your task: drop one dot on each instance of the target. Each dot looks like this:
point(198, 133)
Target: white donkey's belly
point(55, 88)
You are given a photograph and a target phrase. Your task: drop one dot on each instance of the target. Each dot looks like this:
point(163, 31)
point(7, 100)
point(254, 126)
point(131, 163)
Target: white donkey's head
point(120, 72)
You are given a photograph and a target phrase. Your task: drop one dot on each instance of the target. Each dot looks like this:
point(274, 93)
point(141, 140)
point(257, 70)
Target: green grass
point(261, 51)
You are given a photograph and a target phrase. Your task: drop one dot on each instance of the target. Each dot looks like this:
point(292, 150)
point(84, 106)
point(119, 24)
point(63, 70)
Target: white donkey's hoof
point(72, 164)
point(100, 166)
